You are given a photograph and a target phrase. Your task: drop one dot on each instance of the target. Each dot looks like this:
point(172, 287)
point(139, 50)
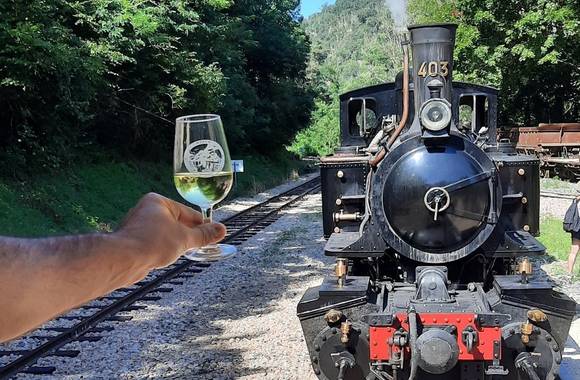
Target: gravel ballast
point(236, 320)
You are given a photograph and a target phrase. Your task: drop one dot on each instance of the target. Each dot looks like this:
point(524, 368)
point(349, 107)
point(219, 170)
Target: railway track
point(557, 195)
point(83, 324)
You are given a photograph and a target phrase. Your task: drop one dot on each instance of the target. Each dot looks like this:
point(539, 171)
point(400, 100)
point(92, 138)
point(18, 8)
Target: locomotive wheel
point(329, 349)
point(545, 352)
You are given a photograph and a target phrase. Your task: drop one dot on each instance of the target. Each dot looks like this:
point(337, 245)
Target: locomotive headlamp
point(435, 114)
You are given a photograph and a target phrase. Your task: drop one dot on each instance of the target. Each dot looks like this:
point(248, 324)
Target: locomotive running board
point(319, 300)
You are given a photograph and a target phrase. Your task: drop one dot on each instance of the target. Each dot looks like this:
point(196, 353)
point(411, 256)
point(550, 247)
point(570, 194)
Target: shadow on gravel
point(275, 265)
point(570, 368)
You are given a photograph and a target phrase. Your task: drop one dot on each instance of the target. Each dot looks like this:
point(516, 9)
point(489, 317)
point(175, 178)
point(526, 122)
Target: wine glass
point(203, 173)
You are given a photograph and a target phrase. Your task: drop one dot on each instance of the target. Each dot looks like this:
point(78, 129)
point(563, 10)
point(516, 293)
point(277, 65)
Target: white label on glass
point(204, 156)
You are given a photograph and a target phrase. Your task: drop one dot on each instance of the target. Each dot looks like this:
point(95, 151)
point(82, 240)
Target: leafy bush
point(528, 49)
point(115, 73)
point(323, 134)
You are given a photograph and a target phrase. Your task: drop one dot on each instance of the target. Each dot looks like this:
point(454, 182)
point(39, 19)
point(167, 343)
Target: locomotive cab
point(432, 224)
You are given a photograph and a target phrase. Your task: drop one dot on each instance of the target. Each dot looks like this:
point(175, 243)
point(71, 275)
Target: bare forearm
point(42, 278)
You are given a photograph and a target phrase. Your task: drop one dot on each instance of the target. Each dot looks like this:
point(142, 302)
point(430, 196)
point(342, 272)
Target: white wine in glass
point(203, 173)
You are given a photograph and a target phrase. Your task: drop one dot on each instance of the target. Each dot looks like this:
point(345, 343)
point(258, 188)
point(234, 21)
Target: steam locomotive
point(432, 222)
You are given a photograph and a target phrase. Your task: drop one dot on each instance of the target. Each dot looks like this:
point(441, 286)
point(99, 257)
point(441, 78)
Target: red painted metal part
point(549, 135)
point(380, 337)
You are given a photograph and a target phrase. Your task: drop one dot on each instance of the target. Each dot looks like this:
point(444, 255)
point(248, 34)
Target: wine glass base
point(216, 252)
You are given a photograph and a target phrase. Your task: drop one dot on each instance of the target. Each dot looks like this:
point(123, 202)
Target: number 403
point(434, 69)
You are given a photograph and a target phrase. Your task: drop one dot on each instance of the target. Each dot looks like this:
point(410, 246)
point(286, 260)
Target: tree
point(354, 44)
point(528, 49)
point(80, 75)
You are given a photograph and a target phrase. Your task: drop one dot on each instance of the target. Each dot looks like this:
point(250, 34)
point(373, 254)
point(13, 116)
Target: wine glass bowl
point(203, 173)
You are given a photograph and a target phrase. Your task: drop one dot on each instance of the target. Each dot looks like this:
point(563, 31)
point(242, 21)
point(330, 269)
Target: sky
point(312, 6)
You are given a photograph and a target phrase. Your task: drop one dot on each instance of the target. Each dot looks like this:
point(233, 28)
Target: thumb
point(204, 234)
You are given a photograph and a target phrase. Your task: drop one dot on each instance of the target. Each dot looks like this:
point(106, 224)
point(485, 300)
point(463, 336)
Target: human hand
point(161, 230)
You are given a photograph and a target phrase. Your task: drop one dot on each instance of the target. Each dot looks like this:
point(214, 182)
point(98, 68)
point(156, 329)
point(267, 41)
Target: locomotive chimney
point(432, 47)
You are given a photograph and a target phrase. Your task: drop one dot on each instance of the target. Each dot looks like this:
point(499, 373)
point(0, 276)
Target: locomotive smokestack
point(432, 47)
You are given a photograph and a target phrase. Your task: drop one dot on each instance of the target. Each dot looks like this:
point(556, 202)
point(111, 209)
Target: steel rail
point(558, 195)
point(88, 323)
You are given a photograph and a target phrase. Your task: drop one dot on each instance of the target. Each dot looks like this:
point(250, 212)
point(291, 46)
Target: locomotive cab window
point(474, 114)
point(362, 117)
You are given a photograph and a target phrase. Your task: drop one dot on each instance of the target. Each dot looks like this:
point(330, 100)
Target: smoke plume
point(398, 10)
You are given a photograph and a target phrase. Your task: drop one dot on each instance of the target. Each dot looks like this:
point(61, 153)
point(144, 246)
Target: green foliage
point(76, 74)
point(354, 44)
point(264, 172)
point(528, 49)
point(323, 135)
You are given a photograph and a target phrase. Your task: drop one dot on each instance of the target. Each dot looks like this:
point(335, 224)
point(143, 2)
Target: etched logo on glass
point(204, 156)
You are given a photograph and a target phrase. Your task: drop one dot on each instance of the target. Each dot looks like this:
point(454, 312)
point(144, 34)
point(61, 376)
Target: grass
point(261, 173)
point(555, 239)
point(557, 242)
point(95, 197)
point(557, 185)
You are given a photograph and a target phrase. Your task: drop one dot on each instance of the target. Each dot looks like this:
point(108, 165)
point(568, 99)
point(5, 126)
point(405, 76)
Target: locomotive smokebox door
point(439, 202)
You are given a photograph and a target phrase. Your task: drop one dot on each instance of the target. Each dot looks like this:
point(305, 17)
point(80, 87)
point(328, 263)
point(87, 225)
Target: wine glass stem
point(206, 214)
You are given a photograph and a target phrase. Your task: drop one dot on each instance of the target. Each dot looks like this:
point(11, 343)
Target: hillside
point(353, 44)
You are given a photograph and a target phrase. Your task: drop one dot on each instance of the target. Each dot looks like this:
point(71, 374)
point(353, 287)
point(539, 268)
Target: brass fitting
point(525, 266)
point(345, 328)
point(342, 217)
point(340, 270)
point(527, 329)
point(537, 316)
point(333, 316)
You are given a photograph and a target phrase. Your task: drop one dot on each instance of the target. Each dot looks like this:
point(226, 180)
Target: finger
point(187, 215)
point(205, 234)
point(182, 213)
point(128, 217)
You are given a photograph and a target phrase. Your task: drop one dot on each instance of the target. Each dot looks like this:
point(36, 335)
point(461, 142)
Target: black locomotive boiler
point(432, 224)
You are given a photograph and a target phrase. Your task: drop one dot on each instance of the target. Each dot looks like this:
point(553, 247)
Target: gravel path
point(554, 207)
point(235, 320)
